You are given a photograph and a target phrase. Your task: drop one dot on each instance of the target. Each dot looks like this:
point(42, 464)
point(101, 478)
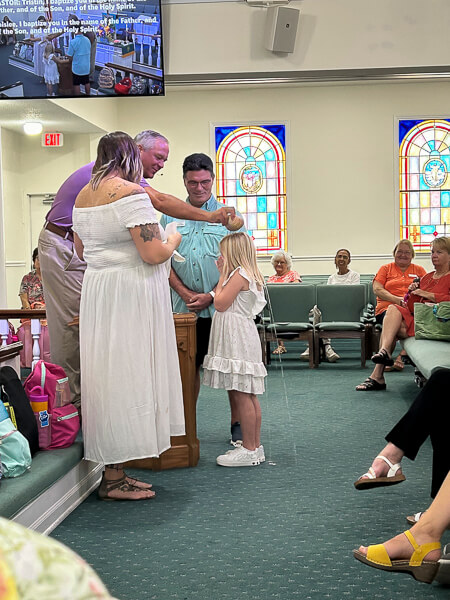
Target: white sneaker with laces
point(260, 453)
point(305, 355)
point(239, 457)
point(331, 355)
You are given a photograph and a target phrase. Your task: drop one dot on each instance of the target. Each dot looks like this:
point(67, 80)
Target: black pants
point(429, 415)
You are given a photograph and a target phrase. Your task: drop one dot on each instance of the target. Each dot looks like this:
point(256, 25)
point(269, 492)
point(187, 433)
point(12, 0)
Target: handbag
point(432, 322)
point(123, 87)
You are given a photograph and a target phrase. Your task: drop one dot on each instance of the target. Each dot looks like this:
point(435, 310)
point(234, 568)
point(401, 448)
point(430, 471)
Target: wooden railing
point(35, 315)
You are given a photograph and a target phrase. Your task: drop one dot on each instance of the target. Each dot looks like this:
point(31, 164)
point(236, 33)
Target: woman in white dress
point(130, 380)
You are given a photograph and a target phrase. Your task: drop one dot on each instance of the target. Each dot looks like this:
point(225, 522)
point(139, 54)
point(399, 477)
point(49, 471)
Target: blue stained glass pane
point(221, 133)
point(446, 161)
point(423, 185)
point(279, 131)
point(431, 145)
point(404, 216)
point(248, 151)
point(269, 155)
point(262, 204)
point(262, 165)
point(445, 199)
point(239, 190)
point(405, 126)
point(250, 233)
point(427, 229)
point(272, 220)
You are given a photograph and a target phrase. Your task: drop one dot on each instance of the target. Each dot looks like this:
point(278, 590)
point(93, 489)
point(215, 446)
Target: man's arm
point(174, 207)
point(194, 300)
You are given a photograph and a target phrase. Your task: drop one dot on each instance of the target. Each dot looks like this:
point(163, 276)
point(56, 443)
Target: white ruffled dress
point(234, 359)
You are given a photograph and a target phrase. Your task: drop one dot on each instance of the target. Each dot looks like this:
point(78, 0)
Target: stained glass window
point(424, 180)
point(251, 176)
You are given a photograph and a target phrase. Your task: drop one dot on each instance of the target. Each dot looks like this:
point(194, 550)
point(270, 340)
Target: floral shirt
point(289, 277)
point(32, 286)
point(36, 567)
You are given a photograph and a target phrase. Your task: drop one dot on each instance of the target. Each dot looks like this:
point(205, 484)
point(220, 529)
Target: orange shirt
point(395, 281)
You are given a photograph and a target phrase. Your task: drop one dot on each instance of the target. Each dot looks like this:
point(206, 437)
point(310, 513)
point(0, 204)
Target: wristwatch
point(213, 293)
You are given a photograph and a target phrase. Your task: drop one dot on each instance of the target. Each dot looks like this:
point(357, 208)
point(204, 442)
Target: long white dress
point(234, 359)
point(130, 379)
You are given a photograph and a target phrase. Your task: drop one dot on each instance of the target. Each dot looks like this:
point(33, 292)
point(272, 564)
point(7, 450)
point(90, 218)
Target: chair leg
point(312, 346)
point(363, 349)
point(316, 349)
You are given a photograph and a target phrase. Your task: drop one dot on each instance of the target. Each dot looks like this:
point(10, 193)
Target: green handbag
point(432, 322)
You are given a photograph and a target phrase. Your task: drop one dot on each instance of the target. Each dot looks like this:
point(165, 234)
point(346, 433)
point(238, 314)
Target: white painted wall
point(332, 34)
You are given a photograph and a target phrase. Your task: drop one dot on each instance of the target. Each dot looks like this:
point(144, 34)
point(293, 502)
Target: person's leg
point(87, 89)
point(429, 529)
point(392, 326)
point(248, 418)
point(76, 90)
point(427, 416)
point(258, 419)
point(62, 277)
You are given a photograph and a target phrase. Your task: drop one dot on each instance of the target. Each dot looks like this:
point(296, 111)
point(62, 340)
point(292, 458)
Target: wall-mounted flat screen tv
point(75, 48)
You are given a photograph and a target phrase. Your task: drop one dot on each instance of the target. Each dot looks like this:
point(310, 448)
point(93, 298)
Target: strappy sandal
point(106, 487)
point(382, 358)
point(371, 480)
point(413, 519)
point(397, 366)
point(133, 481)
point(370, 385)
point(420, 569)
point(279, 350)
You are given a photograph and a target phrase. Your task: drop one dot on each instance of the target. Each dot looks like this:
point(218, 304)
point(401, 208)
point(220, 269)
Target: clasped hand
point(199, 301)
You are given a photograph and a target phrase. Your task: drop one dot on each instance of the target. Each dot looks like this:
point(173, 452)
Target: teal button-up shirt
point(200, 248)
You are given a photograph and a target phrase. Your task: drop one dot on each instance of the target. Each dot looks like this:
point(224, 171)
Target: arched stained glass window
point(251, 176)
point(424, 180)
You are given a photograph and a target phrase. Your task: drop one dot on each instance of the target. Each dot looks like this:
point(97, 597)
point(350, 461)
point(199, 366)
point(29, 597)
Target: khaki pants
point(62, 276)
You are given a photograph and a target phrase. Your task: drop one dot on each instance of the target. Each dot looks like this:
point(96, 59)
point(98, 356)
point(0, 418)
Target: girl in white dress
point(51, 74)
point(131, 396)
point(234, 359)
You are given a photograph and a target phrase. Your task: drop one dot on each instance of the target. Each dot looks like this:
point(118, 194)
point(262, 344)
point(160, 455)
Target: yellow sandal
point(420, 569)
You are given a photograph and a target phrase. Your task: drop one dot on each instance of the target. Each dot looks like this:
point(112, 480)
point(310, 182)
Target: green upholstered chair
point(287, 315)
point(342, 308)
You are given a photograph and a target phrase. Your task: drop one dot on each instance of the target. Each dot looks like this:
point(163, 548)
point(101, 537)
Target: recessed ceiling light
point(32, 128)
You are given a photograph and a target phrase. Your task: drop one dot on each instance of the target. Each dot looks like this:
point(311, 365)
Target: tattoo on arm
point(150, 232)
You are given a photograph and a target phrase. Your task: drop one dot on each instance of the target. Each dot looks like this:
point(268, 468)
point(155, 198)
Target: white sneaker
point(305, 355)
point(331, 355)
point(260, 453)
point(239, 457)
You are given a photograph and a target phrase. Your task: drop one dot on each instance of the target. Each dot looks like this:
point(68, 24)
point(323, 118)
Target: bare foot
point(399, 547)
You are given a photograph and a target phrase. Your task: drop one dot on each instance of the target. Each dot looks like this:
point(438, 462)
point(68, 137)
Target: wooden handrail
point(133, 71)
point(27, 313)
point(10, 351)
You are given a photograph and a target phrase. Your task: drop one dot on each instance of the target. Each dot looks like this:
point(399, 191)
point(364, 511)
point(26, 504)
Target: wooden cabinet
point(184, 450)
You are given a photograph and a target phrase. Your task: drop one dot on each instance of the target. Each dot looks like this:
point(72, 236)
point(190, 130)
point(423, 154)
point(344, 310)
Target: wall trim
point(392, 74)
point(15, 263)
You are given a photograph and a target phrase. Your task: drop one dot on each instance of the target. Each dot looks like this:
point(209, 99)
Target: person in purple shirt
point(62, 270)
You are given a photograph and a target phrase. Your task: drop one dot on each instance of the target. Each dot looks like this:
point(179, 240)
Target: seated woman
point(399, 320)
point(418, 550)
point(31, 295)
point(282, 263)
point(391, 283)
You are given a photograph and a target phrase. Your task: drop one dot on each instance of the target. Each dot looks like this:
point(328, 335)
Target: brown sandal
point(133, 481)
point(106, 487)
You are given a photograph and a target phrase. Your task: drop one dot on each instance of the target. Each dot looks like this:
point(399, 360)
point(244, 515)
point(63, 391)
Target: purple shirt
point(62, 207)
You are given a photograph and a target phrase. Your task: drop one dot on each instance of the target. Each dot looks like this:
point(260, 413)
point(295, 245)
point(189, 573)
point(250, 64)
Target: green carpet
point(283, 530)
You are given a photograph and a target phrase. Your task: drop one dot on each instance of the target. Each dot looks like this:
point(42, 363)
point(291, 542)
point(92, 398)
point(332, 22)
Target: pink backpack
point(63, 420)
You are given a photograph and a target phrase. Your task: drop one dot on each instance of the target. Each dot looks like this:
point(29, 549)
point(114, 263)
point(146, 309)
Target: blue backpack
point(15, 456)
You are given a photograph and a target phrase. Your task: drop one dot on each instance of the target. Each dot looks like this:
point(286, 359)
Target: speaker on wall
point(281, 28)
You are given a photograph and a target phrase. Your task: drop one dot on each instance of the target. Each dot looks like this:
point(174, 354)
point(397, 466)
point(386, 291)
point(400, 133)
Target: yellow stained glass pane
point(262, 221)
point(445, 217)
point(424, 199)
point(242, 204)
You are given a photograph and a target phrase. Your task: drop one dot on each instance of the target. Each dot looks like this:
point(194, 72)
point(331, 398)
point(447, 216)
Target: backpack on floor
point(15, 455)
point(48, 384)
point(106, 78)
point(13, 394)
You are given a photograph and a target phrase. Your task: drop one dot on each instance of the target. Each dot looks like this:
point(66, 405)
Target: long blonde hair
point(48, 49)
point(238, 250)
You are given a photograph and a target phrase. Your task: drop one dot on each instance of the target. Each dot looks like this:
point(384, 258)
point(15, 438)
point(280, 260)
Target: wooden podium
point(185, 449)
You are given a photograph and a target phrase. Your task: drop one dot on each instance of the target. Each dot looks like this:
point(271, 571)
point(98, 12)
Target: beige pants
point(62, 276)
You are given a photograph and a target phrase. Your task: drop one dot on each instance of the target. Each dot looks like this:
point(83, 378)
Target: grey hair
point(148, 137)
point(283, 254)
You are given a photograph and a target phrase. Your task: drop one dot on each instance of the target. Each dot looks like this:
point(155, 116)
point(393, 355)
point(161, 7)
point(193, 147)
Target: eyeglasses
point(279, 262)
point(205, 183)
point(405, 252)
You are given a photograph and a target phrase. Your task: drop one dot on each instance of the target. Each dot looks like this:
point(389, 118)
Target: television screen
point(57, 48)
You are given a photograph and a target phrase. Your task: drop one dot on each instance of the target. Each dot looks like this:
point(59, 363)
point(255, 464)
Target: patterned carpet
point(283, 530)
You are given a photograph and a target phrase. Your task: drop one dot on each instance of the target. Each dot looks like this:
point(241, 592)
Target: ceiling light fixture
point(32, 128)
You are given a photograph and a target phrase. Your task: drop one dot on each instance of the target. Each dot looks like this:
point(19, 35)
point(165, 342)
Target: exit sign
point(52, 139)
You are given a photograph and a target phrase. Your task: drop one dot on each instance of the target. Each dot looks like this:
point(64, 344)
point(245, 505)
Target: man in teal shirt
point(193, 281)
point(80, 54)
